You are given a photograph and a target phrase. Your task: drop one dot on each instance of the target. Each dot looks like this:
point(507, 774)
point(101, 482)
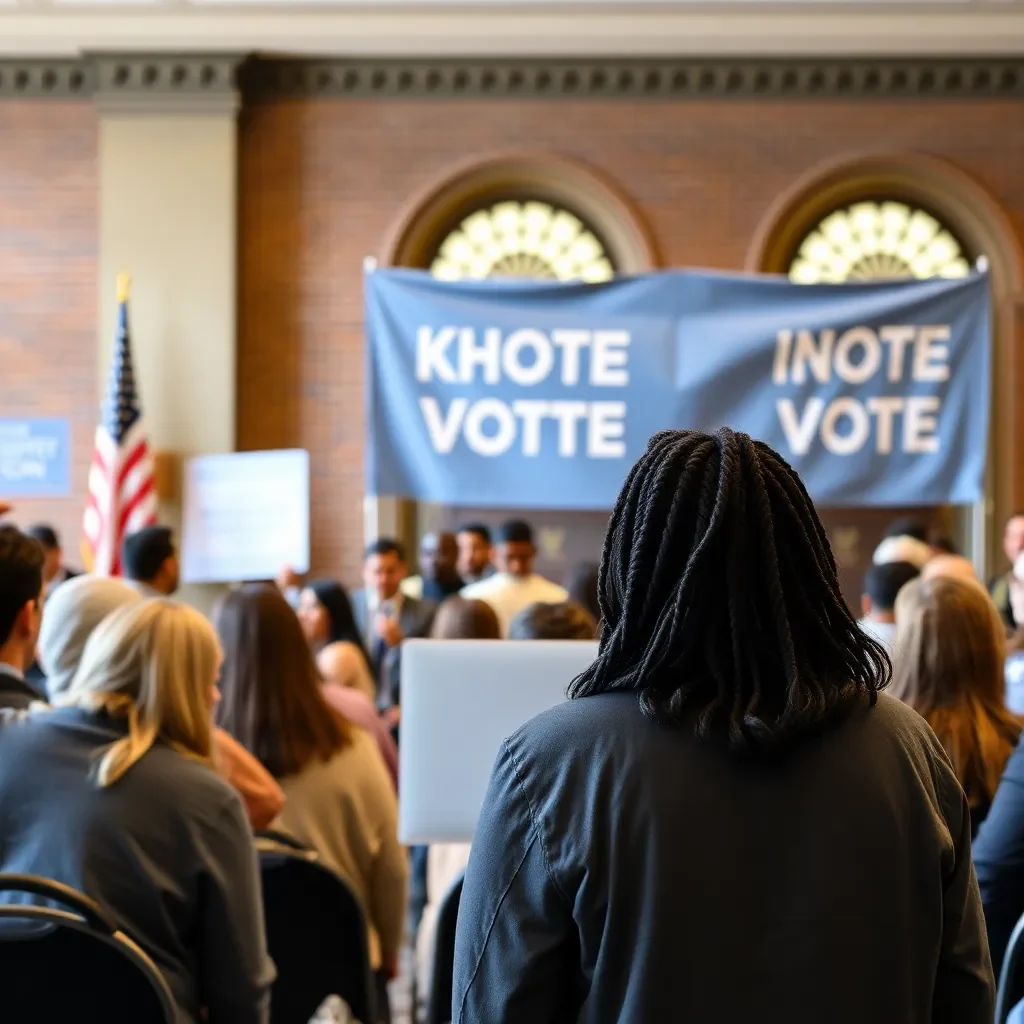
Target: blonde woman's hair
point(154, 664)
point(949, 666)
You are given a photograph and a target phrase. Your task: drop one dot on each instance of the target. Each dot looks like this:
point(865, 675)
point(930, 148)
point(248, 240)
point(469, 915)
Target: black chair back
point(1011, 983)
point(439, 1003)
point(316, 934)
point(73, 964)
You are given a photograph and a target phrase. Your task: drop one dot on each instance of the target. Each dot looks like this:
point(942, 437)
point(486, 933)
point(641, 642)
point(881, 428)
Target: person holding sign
point(728, 821)
point(385, 617)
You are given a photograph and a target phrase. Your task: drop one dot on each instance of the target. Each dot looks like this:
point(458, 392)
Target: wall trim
point(210, 81)
point(683, 78)
point(187, 83)
point(166, 83)
point(45, 79)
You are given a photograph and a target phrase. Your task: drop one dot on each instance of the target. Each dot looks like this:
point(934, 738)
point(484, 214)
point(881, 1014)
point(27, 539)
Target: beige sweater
point(346, 810)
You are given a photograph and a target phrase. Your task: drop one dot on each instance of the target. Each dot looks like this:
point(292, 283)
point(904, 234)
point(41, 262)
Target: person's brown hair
point(460, 618)
point(271, 700)
point(950, 655)
point(566, 620)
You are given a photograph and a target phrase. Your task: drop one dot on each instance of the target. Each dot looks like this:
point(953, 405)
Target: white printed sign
point(246, 516)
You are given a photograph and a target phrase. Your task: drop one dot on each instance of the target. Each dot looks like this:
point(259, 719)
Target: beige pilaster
point(168, 183)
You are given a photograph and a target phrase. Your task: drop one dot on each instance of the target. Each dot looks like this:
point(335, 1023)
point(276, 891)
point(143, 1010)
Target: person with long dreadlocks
point(729, 821)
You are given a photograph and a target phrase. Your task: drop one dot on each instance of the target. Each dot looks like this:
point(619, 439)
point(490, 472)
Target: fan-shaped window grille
point(877, 241)
point(522, 239)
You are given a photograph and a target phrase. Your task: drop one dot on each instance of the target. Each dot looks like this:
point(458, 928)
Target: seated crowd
point(628, 853)
point(283, 714)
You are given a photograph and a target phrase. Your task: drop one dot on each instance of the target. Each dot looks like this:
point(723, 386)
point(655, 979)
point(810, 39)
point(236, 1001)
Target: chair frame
point(272, 844)
point(1006, 1000)
point(438, 974)
point(86, 917)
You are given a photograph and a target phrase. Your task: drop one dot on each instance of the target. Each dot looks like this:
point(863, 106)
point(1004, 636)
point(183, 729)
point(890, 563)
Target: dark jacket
point(625, 873)
point(166, 849)
point(999, 588)
point(414, 619)
point(16, 691)
point(999, 857)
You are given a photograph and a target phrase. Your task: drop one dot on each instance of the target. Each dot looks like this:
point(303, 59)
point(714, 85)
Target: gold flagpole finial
point(124, 283)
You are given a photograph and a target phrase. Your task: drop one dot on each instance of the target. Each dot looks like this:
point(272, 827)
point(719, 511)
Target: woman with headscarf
point(330, 627)
point(73, 612)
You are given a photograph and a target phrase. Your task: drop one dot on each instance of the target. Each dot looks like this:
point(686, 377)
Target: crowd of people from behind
point(139, 719)
point(734, 700)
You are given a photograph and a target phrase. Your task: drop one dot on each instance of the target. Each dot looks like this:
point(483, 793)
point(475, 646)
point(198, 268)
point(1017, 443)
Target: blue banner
point(35, 458)
point(541, 395)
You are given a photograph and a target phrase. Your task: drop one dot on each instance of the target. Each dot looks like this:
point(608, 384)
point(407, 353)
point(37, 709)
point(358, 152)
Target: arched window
point(527, 238)
point(878, 240)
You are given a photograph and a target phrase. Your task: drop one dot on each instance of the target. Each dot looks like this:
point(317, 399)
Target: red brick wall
point(48, 240)
point(322, 182)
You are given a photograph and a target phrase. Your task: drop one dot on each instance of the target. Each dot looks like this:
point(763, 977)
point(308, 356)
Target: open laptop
point(460, 699)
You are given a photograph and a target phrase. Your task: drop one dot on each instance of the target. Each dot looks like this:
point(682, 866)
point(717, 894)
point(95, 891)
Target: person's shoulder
point(338, 657)
point(352, 768)
point(353, 705)
point(891, 715)
point(197, 785)
point(895, 731)
point(420, 611)
point(573, 726)
point(552, 592)
point(480, 589)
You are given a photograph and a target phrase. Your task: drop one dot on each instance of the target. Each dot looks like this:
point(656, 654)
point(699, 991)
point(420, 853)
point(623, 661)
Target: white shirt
point(883, 632)
point(392, 606)
point(508, 595)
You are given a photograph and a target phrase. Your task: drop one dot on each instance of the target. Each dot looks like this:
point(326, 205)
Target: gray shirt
point(624, 872)
point(166, 849)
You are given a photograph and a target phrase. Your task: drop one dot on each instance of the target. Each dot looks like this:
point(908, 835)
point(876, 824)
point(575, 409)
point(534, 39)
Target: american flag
point(121, 495)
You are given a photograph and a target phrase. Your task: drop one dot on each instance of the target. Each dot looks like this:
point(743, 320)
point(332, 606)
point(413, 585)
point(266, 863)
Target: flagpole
point(124, 286)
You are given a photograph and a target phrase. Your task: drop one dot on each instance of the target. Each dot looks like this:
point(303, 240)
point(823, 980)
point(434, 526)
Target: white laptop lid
point(460, 699)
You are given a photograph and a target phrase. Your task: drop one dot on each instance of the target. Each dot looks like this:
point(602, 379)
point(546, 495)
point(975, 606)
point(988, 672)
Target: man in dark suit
point(386, 617)
point(1006, 589)
point(21, 614)
point(55, 572)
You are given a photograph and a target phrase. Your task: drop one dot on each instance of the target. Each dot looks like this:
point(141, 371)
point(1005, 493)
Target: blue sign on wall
point(35, 458)
point(534, 394)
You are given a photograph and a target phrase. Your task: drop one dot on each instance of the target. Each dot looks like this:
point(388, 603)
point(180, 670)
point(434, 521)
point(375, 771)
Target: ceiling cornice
point(481, 29)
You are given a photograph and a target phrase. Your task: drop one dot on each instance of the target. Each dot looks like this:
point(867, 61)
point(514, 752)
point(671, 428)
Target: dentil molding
point(214, 82)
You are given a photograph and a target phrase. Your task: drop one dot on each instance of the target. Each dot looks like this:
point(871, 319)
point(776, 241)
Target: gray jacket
point(166, 849)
